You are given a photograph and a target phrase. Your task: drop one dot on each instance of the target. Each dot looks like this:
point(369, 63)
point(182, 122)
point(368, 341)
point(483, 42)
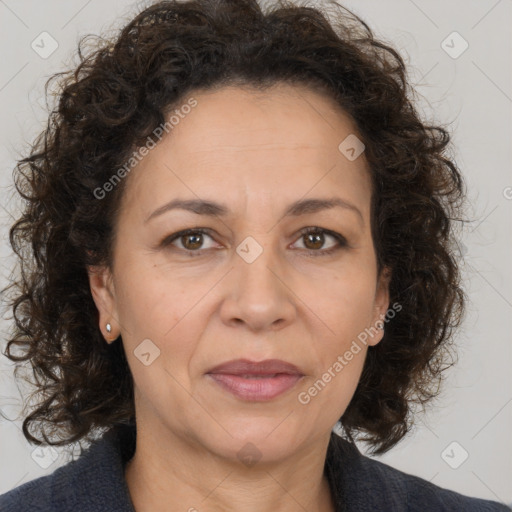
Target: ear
point(103, 294)
point(381, 306)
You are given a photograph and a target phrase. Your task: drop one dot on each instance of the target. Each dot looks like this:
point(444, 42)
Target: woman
point(241, 236)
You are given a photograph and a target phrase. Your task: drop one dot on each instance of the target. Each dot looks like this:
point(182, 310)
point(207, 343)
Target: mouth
point(256, 381)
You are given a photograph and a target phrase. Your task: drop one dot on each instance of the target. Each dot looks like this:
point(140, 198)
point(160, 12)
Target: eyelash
point(342, 242)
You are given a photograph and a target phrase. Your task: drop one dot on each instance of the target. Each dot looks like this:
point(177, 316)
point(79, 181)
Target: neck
point(178, 473)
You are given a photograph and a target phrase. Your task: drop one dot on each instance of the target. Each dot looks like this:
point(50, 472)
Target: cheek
point(327, 395)
point(155, 315)
point(345, 306)
point(159, 311)
point(346, 302)
point(151, 299)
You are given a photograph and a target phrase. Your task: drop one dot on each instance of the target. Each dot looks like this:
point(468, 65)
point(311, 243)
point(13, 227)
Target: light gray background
point(471, 92)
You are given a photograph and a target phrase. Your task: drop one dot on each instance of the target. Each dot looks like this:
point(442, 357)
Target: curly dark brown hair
point(120, 92)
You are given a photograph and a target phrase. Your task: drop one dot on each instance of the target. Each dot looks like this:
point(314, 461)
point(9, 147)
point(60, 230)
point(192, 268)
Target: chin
point(267, 439)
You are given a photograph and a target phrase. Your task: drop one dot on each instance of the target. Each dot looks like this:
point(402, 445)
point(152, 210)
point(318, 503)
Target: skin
point(256, 153)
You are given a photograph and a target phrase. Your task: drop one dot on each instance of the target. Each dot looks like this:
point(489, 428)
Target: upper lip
point(247, 367)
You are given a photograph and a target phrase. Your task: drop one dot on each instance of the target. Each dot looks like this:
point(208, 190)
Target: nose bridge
point(260, 297)
point(256, 258)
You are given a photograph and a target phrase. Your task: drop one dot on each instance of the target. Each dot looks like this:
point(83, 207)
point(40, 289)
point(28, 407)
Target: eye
point(192, 240)
point(315, 238)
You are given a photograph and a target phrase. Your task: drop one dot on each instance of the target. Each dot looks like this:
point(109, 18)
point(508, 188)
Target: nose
point(258, 294)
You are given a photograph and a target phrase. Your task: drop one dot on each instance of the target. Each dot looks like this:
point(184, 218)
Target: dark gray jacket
point(95, 483)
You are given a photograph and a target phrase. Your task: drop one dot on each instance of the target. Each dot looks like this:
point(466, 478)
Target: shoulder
point(420, 495)
point(35, 495)
point(93, 482)
point(46, 493)
point(373, 485)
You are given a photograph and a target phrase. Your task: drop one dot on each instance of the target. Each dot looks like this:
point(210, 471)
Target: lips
point(245, 367)
point(255, 381)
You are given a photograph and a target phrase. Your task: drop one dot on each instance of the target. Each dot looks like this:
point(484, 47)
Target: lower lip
point(256, 389)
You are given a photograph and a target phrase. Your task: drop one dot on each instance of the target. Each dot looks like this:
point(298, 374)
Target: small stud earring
point(109, 328)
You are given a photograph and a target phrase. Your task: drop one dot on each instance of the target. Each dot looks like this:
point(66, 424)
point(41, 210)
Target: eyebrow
point(211, 208)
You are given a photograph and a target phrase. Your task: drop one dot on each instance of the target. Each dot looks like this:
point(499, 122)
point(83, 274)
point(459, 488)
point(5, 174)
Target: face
point(248, 283)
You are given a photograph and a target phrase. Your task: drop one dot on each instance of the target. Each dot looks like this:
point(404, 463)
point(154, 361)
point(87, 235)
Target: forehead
point(260, 144)
point(283, 118)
